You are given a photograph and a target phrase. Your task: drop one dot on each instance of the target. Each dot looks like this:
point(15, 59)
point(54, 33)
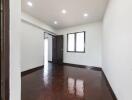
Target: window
point(76, 42)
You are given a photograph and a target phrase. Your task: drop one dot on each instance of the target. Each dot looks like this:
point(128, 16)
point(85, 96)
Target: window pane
point(80, 42)
point(71, 42)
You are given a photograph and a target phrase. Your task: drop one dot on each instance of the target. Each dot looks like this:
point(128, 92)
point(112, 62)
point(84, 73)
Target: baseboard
point(84, 66)
point(109, 87)
point(31, 70)
point(96, 69)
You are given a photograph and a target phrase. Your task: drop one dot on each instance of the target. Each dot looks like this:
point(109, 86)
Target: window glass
point(71, 42)
point(76, 42)
point(80, 42)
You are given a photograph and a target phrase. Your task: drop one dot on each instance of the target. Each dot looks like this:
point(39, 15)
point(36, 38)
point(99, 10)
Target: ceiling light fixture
point(64, 11)
point(55, 22)
point(85, 14)
point(29, 4)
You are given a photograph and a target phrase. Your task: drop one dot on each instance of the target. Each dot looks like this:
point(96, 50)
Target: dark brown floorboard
point(62, 82)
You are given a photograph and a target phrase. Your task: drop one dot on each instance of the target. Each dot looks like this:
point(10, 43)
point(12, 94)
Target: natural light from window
point(71, 42)
point(76, 42)
point(80, 42)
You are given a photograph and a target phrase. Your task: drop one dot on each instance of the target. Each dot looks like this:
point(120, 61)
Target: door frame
point(5, 49)
point(53, 35)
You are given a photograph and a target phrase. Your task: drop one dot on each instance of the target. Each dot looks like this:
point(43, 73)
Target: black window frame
point(75, 33)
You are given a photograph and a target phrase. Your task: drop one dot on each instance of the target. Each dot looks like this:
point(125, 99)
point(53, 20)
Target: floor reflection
point(76, 87)
point(45, 74)
point(60, 82)
point(80, 88)
point(71, 85)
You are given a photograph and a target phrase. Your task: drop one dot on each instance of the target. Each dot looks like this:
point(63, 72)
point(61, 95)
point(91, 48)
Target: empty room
point(66, 50)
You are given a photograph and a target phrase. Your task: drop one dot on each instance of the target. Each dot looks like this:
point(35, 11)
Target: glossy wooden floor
point(57, 82)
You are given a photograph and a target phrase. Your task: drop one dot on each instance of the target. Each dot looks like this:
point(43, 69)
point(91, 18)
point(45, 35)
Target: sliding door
point(57, 50)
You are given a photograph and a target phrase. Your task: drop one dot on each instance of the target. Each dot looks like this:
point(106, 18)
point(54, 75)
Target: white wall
point(92, 57)
point(30, 19)
point(32, 42)
point(15, 75)
point(32, 46)
point(117, 47)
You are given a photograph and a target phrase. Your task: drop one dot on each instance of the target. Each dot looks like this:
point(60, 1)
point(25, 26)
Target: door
point(57, 50)
point(4, 51)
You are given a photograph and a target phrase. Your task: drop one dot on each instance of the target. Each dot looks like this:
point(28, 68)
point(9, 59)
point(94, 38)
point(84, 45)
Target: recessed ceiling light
point(29, 4)
point(85, 14)
point(64, 11)
point(55, 22)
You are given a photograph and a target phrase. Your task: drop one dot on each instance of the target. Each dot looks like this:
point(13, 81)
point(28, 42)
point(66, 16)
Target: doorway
point(46, 52)
point(54, 47)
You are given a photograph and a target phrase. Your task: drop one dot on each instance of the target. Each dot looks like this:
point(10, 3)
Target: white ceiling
point(49, 11)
